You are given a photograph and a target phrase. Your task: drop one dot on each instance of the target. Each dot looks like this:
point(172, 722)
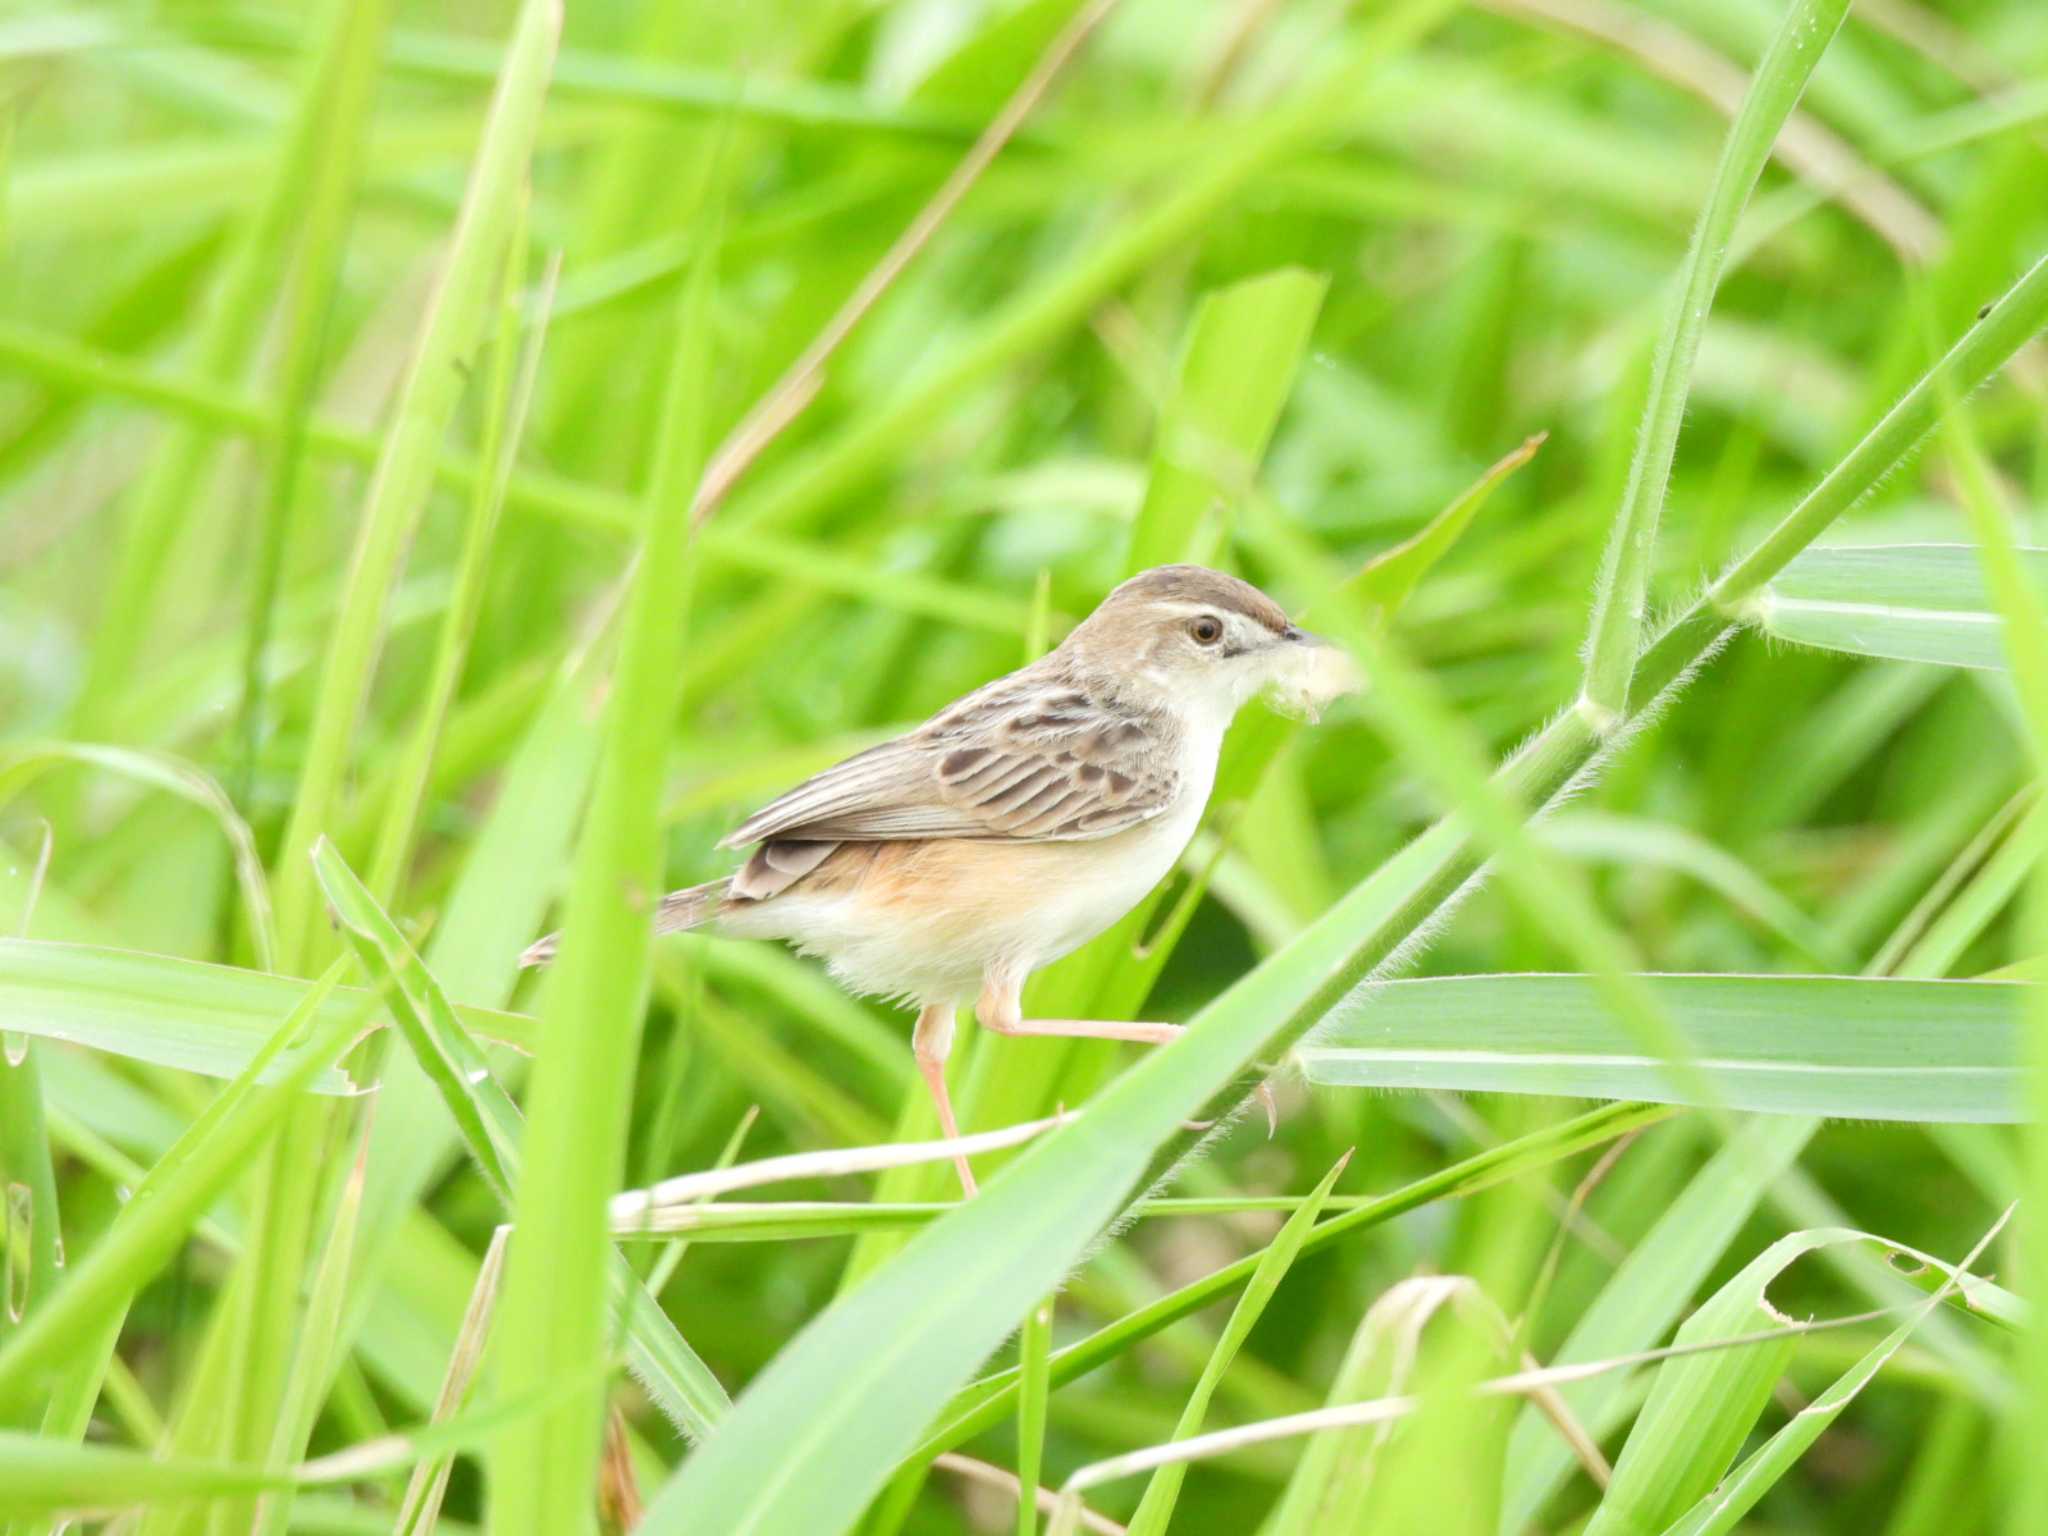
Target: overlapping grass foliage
point(1650, 398)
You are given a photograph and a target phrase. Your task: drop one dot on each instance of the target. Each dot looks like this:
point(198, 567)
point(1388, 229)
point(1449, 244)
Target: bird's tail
point(680, 911)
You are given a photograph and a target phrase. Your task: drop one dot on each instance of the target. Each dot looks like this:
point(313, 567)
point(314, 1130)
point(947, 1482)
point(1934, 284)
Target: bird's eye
point(1207, 630)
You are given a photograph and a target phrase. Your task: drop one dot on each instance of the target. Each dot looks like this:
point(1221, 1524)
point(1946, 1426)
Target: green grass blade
point(1901, 602)
point(1163, 1491)
point(1237, 367)
point(507, 399)
point(31, 1238)
point(1848, 1046)
point(45, 1477)
point(1702, 1407)
point(1034, 1342)
point(541, 1469)
point(1623, 593)
point(346, 86)
point(2024, 622)
point(1386, 582)
point(1044, 313)
point(315, 1361)
point(157, 518)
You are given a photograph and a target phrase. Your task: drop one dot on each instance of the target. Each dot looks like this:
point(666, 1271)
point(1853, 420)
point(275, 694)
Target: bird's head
point(1206, 642)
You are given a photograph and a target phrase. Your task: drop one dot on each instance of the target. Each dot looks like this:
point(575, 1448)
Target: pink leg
point(930, 1043)
point(1000, 1010)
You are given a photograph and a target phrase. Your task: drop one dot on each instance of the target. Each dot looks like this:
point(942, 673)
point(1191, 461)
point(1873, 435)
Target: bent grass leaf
point(1642, 1300)
point(1384, 583)
point(1703, 1406)
point(1856, 1047)
point(490, 1123)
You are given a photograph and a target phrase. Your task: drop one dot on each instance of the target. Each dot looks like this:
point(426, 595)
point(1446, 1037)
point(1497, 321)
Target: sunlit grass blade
point(1328, 1489)
point(1386, 582)
point(62, 1348)
point(1237, 366)
point(1163, 1492)
point(509, 396)
point(1702, 1407)
point(2023, 616)
point(187, 1014)
point(1901, 602)
point(1857, 1047)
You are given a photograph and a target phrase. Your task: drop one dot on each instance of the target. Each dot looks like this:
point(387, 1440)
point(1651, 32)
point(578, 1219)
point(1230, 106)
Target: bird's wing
point(1031, 758)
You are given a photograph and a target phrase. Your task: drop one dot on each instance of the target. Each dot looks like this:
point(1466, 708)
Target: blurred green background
point(212, 282)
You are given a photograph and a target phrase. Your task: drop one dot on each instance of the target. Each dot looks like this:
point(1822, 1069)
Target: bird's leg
point(1001, 1010)
point(930, 1042)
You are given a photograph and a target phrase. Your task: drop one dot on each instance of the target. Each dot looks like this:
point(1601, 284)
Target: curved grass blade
point(23, 762)
point(1163, 1492)
point(1849, 1046)
point(1622, 596)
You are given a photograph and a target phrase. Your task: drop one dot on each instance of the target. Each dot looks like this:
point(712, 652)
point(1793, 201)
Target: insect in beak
point(1311, 672)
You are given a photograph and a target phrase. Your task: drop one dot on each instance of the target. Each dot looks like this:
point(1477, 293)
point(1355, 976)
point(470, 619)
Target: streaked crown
point(1197, 585)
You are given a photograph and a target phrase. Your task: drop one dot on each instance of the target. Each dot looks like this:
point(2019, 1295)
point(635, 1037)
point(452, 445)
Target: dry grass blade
point(655, 1209)
point(799, 385)
point(1045, 1500)
point(424, 1491)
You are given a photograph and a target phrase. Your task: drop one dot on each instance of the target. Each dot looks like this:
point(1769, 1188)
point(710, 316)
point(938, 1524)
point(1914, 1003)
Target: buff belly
point(928, 921)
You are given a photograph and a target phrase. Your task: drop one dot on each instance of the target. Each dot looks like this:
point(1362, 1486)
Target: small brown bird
point(1021, 821)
